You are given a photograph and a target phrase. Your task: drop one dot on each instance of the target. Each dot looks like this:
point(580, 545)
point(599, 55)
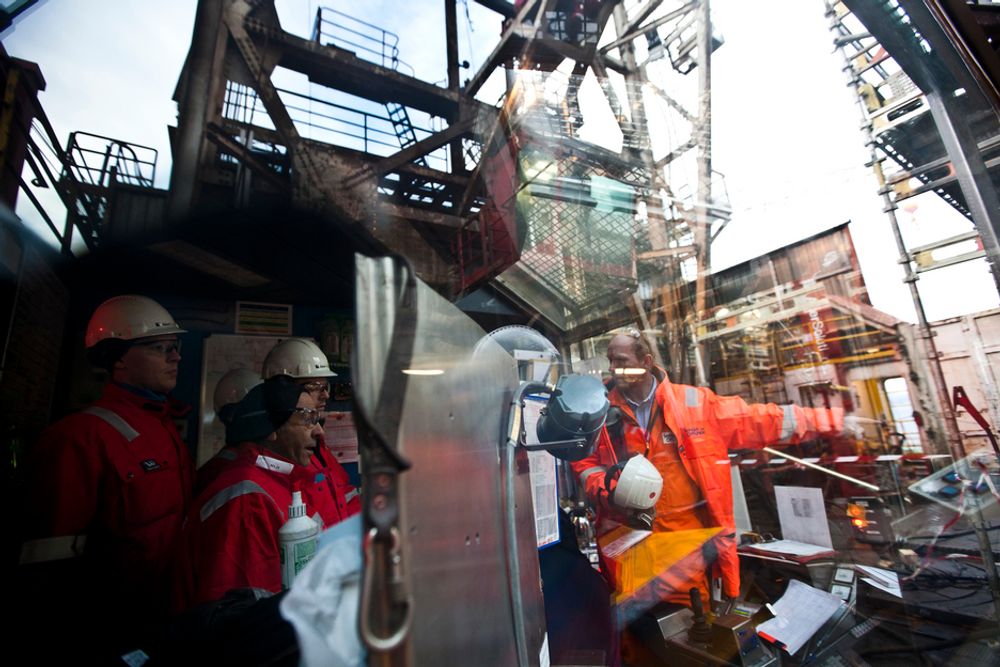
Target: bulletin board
point(221, 354)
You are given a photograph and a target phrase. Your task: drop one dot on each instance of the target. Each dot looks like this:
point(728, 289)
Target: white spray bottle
point(297, 540)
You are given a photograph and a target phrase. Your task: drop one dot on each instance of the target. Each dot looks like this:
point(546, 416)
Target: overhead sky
point(785, 124)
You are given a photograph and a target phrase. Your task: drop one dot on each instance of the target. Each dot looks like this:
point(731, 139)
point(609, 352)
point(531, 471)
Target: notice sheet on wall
point(544, 493)
point(802, 514)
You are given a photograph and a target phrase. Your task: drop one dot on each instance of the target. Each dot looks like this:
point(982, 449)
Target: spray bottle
point(297, 539)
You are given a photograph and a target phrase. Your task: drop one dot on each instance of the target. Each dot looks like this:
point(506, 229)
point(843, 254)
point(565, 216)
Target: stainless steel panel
point(456, 557)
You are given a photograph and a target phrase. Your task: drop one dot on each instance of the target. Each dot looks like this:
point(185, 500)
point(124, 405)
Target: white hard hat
point(298, 358)
point(639, 484)
point(129, 317)
point(233, 386)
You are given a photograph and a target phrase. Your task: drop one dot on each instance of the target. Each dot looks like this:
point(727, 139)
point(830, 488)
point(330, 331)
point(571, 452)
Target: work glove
point(611, 480)
point(635, 518)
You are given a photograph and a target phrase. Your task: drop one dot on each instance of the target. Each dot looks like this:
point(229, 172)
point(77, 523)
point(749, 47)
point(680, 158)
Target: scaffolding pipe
point(924, 334)
point(954, 443)
point(703, 137)
point(451, 28)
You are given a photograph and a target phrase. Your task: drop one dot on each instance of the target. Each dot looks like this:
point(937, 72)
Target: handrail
point(374, 44)
point(117, 157)
point(51, 167)
point(374, 131)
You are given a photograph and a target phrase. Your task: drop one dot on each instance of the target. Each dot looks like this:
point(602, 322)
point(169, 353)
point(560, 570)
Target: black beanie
point(250, 421)
point(281, 397)
point(263, 410)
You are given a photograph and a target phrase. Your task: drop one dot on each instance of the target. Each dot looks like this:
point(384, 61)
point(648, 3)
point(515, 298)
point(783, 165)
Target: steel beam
point(973, 178)
point(422, 147)
point(194, 105)
point(502, 7)
point(241, 152)
point(496, 56)
point(451, 30)
point(414, 214)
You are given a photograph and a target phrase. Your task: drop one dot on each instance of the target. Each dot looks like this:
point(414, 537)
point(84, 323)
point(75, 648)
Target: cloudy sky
point(785, 125)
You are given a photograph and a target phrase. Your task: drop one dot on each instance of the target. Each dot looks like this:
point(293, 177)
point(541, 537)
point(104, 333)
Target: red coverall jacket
point(231, 537)
point(326, 487)
point(119, 474)
point(706, 426)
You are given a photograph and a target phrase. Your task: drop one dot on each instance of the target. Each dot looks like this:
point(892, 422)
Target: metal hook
point(372, 640)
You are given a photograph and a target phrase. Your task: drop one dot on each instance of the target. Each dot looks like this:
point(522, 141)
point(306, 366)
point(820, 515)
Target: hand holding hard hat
point(637, 484)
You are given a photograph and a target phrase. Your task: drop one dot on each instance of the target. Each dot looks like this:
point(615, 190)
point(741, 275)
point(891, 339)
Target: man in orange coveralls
point(685, 432)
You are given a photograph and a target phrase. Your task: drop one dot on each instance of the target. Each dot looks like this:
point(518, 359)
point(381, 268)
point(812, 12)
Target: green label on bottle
point(303, 553)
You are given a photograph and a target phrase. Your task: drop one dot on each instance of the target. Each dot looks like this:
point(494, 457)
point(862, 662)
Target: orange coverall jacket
point(706, 427)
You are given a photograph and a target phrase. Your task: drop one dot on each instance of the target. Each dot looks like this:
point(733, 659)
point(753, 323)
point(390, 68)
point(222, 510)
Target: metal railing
point(103, 161)
point(325, 121)
point(44, 158)
point(75, 179)
point(366, 41)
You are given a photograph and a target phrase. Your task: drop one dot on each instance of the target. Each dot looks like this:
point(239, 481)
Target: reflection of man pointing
point(686, 433)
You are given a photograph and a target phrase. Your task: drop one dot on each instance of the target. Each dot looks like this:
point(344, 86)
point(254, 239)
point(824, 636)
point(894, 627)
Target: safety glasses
point(310, 417)
point(162, 347)
point(316, 388)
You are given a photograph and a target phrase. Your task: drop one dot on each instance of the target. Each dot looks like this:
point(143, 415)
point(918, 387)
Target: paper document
point(800, 612)
point(802, 514)
point(341, 436)
point(884, 580)
point(625, 542)
point(790, 548)
point(544, 492)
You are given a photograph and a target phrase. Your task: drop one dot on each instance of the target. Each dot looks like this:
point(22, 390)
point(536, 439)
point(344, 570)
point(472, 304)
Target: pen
point(878, 578)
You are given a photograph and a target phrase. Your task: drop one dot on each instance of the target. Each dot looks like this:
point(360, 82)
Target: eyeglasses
point(162, 347)
point(316, 387)
point(310, 417)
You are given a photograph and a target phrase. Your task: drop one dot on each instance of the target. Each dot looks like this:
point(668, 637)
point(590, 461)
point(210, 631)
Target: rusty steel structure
point(429, 193)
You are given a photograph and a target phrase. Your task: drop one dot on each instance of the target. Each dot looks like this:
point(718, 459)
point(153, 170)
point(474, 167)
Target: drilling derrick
point(523, 192)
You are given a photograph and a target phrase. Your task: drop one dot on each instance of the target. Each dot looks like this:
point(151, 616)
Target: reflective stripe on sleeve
point(588, 472)
point(788, 422)
point(114, 421)
point(52, 548)
point(229, 493)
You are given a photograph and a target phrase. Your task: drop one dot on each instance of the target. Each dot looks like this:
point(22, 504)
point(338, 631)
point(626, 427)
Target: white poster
point(544, 493)
point(802, 513)
point(341, 437)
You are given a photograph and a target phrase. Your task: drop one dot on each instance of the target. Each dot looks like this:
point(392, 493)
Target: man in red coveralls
point(112, 483)
point(301, 360)
point(231, 539)
point(686, 433)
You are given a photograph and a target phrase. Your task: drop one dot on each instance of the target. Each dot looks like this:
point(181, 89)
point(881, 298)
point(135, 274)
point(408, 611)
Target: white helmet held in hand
point(298, 358)
point(639, 484)
point(129, 317)
point(233, 386)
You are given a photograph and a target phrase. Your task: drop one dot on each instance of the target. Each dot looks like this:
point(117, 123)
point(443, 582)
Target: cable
point(468, 34)
point(948, 536)
point(932, 646)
